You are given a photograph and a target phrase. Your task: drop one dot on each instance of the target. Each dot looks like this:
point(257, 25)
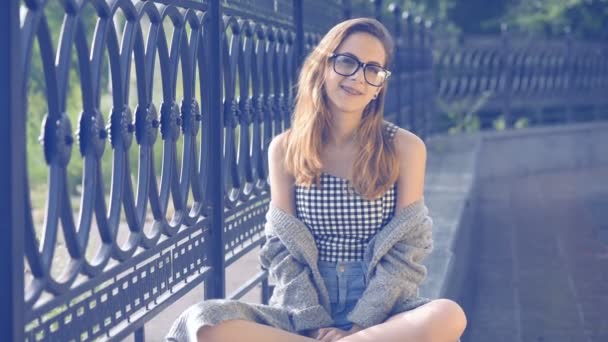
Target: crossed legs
point(239, 331)
point(441, 320)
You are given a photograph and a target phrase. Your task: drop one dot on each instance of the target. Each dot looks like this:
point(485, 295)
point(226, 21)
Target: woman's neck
point(344, 128)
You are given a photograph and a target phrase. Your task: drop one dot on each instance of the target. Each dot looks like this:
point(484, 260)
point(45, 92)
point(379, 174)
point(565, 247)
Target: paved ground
point(236, 274)
point(542, 263)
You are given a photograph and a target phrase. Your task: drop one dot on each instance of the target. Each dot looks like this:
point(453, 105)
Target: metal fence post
point(409, 62)
point(507, 74)
point(12, 177)
point(377, 9)
point(347, 10)
point(215, 287)
point(396, 10)
point(568, 72)
point(299, 43)
point(421, 75)
point(429, 83)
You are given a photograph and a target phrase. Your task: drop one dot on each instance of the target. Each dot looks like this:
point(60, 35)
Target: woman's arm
point(411, 152)
point(294, 289)
point(281, 182)
point(399, 272)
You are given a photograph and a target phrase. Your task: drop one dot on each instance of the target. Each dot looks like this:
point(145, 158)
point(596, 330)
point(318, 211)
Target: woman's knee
point(212, 331)
point(207, 333)
point(439, 320)
point(215, 332)
point(451, 316)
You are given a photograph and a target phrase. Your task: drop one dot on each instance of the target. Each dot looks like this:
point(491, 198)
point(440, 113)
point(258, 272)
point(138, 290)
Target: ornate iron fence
point(145, 197)
point(119, 238)
point(516, 73)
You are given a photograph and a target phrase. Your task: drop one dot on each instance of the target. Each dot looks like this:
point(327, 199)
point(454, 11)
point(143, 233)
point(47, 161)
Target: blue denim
point(345, 282)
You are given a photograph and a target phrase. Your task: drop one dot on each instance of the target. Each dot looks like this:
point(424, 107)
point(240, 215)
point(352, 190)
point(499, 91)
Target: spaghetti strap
point(391, 129)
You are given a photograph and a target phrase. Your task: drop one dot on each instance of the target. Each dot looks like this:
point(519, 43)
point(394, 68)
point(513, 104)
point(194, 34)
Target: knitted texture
point(300, 301)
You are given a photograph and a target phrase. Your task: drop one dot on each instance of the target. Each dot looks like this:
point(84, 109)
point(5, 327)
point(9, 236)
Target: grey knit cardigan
point(300, 301)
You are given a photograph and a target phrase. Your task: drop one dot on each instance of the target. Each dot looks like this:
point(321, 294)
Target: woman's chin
point(347, 112)
point(345, 105)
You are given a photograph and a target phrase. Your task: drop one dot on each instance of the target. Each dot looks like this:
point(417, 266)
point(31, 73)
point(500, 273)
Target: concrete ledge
point(543, 149)
point(449, 194)
point(456, 167)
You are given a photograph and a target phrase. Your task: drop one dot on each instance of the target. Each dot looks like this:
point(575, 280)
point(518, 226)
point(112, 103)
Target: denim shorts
point(345, 282)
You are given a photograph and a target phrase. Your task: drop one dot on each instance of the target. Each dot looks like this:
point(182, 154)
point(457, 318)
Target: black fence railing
point(137, 135)
point(524, 77)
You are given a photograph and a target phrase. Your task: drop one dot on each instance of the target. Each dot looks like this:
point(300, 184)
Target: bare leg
point(240, 330)
point(441, 320)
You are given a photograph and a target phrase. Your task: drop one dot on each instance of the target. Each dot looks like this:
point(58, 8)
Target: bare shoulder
point(281, 181)
point(411, 151)
point(277, 146)
point(409, 145)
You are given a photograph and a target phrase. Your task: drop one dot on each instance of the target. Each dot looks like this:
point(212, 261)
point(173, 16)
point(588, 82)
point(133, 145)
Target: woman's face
point(353, 93)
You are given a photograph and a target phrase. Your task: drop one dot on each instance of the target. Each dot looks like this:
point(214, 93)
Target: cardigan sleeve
point(294, 289)
point(397, 276)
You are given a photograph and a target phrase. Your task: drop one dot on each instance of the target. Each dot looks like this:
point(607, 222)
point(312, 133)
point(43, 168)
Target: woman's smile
point(351, 91)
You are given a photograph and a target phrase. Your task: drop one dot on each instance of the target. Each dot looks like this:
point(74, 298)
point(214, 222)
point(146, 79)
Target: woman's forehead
point(364, 46)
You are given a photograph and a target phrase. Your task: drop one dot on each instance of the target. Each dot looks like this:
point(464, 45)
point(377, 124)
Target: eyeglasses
point(347, 65)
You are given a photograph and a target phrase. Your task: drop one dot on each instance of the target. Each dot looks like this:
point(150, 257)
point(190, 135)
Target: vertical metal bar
point(377, 9)
point(506, 71)
point(299, 43)
point(409, 57)
point(417, 72)
point(433, 86)
point(595, 85)
point(265, 293)
point(568, 75)
point(12, 177)
point(396, 10)
point(347, 9)
point(139, 335)
point(215, 287)
point(423, 79)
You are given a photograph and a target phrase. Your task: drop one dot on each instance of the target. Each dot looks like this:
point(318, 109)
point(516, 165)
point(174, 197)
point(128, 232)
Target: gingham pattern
point(341, 221)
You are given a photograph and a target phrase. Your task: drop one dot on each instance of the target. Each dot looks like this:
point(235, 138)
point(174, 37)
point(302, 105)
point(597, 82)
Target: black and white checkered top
point(341, 221)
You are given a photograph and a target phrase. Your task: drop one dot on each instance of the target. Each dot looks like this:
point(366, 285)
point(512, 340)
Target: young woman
point(347, 225)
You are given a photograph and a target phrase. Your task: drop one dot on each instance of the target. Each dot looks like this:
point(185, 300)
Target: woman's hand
point(329, 334)
point(355, 328)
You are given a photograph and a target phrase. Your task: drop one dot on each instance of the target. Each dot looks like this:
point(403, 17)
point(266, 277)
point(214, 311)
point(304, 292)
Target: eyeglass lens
point(346, 66)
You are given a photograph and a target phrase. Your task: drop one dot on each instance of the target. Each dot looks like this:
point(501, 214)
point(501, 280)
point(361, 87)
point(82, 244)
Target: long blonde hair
point(376, 162)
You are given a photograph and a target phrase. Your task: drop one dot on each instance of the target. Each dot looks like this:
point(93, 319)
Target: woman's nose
point(358, 76)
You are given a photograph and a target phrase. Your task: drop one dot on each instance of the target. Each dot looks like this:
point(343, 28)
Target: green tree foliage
point(586, 19)
point(478, 16)
point(437, 11)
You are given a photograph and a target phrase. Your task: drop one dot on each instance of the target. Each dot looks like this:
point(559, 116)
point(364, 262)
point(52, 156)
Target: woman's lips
point(350, 91)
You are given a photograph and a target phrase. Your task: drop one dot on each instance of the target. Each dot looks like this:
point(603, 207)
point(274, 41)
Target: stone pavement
point(236, 274)
point(542, 264)
point(539, 258)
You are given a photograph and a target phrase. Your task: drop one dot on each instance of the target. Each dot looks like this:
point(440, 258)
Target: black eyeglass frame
point(332, 56)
